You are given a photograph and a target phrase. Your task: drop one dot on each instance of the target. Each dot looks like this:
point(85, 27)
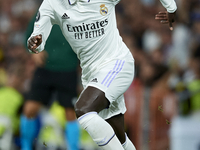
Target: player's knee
point(31, 109)
point(80, 110)
point(29, 113)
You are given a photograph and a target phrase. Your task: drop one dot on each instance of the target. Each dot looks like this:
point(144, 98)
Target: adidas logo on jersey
point(65, 16)
point(94, 80)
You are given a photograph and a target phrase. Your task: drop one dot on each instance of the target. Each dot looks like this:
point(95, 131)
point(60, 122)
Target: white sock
point(128, 145)
point(100, 131)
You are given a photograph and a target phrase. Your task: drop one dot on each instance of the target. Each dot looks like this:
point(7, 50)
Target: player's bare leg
point(117, 123)
point(70, 114)
point(92, 101)
point(72, 130)
point(31, 108)
point(28, 124)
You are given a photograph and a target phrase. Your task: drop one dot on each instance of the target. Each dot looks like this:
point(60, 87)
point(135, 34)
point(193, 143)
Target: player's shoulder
point(108, 1)
point(54, 3)
point(58, 3)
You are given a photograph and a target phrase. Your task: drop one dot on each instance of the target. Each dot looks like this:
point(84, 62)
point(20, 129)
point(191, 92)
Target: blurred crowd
point(163, 101)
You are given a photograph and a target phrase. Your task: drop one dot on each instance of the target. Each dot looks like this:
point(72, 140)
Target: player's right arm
point(167, 17)
point(42, 28)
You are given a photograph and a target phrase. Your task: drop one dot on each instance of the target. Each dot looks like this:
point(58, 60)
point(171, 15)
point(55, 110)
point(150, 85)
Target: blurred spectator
point(2, 69)
point(185, 131)
point(11, 101)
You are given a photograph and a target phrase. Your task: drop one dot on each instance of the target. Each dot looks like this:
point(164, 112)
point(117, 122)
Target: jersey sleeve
point(170, 5)
point(115, 2)
point(43, 23)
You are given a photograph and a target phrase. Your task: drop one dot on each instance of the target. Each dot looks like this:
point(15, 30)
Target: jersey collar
point(71, 2)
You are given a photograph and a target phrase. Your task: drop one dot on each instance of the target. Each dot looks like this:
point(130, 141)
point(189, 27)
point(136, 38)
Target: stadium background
point(163, 101)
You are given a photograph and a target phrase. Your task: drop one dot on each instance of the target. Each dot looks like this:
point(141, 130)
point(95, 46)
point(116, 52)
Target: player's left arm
point(42, 28)
point(167, 17)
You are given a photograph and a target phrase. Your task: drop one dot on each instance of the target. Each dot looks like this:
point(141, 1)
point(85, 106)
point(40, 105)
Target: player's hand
point(166, 18)
point(34, 42)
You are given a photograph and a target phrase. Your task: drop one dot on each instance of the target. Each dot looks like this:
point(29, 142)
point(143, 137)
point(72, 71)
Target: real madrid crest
point(103, 9)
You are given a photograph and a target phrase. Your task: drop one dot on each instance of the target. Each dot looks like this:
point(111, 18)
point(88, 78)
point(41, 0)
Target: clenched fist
point(34, 42)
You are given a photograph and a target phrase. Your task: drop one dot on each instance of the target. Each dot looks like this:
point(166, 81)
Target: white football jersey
point(88, 25)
